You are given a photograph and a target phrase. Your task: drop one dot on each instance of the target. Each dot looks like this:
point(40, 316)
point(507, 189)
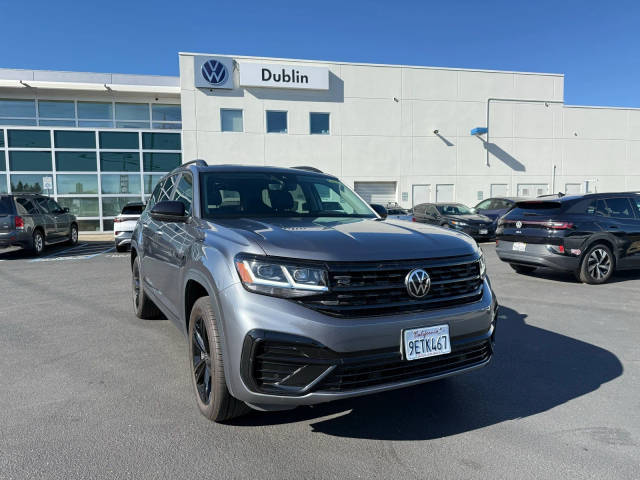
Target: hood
point(349, 239)
point(470, 218)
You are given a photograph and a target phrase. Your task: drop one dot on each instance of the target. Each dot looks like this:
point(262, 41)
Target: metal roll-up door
point(376, 192)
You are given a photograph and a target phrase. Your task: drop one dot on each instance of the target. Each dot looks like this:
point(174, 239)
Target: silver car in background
point(124, 224)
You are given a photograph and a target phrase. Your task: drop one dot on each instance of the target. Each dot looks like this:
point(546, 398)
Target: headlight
point(482, 265)
point(280, 278)
point(458, 223)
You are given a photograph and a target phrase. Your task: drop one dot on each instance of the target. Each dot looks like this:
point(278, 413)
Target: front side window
point(231, 120)
point(319, 123)
point(453, 209)
point(484, 205)
point(276, 121)
point(184, 192)
point(256, 194)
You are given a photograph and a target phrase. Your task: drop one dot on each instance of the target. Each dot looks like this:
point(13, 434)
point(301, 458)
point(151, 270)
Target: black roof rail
point(198, 161)
point(308, 169)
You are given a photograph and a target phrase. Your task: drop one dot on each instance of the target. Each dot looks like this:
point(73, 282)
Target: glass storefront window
point(3, 183)
point(120, 161)
point(107, 225)
point(161, 162)
point(161, 141)
point(3, 165)
point(29, 183)
point(95, 123)
point(56, 109)
point(77, 184)
point(95, 110)
point(150, 182)
point(17, 108)
point(76, 161)
point(165, 113)
point(132, 111)
point(73, 139)
point(30, 161)
point(29, 138)
point(57, 123)
point(112, 206)
point(1, 138)
point(80, 206)
point(120, 184)
point(167, 126)
point(119, 140)
point(132, 124)
point(89, 225)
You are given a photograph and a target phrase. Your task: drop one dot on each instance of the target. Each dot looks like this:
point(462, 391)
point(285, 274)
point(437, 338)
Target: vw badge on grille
point(418, 283)
point(518, 224)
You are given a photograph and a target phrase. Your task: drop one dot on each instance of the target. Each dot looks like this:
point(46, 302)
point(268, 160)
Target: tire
point(597, 265)
point(142, 305)
point(207, 366)
point(522, 268)
point(73, 235)
point(37, 242)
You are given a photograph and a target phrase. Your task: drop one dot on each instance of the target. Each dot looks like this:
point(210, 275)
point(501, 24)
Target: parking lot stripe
point(55, 254)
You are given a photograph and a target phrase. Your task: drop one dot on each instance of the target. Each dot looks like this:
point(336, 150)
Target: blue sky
point(594, 43)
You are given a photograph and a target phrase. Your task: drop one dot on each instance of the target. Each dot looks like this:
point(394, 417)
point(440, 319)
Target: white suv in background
point(124, 224)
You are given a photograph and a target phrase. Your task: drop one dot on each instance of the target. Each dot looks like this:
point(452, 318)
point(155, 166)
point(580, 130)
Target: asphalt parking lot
point(87, 390)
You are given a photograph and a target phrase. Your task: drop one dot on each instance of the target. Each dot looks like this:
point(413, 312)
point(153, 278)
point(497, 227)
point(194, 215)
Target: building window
point(2, 162)
point(161, 162)
point(29, 161)
point(95, 114)
point(76, 161)
point(150, 182)
point(29, 183)
point(57, 113)
point(166, 116)
point(231, 120)
point(319, 123)
point(29, 138)
point(119, 140)
point(89, 225)
point(80, 206)
point(132, 115)
point(532, 189)
point(112, 206)
point(119, 161)
point(3, 184)
point(161, 141)
point(120, 184)
point(74, 139)
point(18, 112)
point(77, 184)
point(276, 121)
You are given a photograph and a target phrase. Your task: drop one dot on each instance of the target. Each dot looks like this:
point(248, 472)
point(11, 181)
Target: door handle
point(613, 227)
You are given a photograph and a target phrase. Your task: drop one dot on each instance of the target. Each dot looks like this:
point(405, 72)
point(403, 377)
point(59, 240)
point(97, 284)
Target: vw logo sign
point(418, 283)
point(214, 72)
point(518, 224)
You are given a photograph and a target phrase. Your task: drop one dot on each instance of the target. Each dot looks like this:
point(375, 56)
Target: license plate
point(519, 246)
point(426, 342)
point(483, 231)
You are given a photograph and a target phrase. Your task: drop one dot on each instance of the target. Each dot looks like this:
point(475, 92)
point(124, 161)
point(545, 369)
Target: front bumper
point(536, 255)
point(345, 346)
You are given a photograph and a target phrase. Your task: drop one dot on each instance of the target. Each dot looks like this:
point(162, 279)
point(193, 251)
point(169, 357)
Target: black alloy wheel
point(597, 265)
point(201, 360)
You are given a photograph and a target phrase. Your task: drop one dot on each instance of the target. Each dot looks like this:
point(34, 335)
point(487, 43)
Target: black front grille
point(367, 288)
point(388, 367)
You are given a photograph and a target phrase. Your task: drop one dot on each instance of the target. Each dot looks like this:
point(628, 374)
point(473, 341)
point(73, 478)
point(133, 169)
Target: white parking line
point(83, 251)
point(57, 253)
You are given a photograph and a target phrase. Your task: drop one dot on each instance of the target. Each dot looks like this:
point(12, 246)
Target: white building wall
point(382, 129)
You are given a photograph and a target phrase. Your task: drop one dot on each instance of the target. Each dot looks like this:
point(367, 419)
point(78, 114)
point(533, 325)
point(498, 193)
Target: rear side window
point(27, 205)
point(619, 207)
point(132, 209)
point(5, 206)
point(420, 209)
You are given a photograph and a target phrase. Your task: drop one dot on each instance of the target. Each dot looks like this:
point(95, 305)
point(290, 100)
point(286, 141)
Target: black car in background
point(590, 235)
point(496, 207)
point(456, 216)
point(33, 221)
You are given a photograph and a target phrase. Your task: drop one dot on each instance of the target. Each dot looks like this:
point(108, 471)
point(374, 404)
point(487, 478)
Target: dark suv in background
point(455, 216)
point(292, 291)
point(590, 235)
point(32, 221)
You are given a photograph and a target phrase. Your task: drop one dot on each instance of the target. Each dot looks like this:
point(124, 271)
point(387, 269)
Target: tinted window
point(120, 161)
point(77, 183)
point(319, 123)
point(161, 162)
point(28, 205)
point(132, 209)
point(119, 140)
point(276, 122)
point(81, 206)
point(184, 192)
point(29, 138)
point(619, 208)
point(76, 161)
point(25, 161)
point(161, 141)
point(71, 139)
point(636, 202)
point(484, 205)
point(5, 206)
point(112, 206)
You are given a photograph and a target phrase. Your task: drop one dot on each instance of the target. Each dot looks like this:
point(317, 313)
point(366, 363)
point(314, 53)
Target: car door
point(176, 239)
point(623, 225)
point(156, 252)
point(46, 219)
point(62, 219)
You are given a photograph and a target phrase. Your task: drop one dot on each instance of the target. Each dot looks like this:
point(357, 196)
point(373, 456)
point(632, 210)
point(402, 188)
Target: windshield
point(257, 194)
point(454, 209)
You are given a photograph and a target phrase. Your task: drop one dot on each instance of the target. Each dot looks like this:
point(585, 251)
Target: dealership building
point(406, 134)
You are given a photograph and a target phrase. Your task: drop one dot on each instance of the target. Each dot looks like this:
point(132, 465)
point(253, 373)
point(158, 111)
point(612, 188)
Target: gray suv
point(32, 221)
point(292, 291)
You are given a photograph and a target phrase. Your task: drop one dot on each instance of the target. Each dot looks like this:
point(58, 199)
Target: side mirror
point(65, 209)
point(169, 211)
point(380, 210)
